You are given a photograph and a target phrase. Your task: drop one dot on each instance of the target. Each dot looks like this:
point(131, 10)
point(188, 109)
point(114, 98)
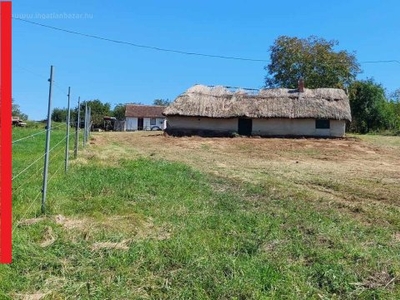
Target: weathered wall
point(132, 123)
point(194, 123)
point(295, 127)
point(146, 124)
point(338, 128)
point(262, 127)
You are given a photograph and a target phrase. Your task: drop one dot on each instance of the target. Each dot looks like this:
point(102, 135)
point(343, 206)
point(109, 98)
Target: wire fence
point(40, 152)
point(29, 136)
point(29, 151)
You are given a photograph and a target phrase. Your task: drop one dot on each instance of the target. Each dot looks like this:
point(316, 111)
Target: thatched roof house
point(219, 110)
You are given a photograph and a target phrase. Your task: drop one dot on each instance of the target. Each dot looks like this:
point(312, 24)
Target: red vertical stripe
point(5, 132)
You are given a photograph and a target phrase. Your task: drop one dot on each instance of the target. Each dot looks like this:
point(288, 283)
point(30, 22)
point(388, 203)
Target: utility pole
point(78, 121)
point(47, 153)
point(68, 125)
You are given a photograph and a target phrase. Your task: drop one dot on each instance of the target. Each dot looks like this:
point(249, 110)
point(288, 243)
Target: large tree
point(98, 110)
point(119, 111)
point(313, 59)
point(369, 107)
point(59, 114)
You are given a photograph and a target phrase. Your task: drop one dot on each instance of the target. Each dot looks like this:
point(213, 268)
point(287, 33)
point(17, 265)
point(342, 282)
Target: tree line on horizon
point(312, 59)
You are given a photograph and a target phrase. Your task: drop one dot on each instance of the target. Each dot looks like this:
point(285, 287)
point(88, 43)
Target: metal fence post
point(89, 121)
point(47, 154)
point(85, 123)
point(78, 121)
point(67, 137)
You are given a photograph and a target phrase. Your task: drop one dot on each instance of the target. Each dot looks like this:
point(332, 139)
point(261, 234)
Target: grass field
point(143, 216)
point(28, 165)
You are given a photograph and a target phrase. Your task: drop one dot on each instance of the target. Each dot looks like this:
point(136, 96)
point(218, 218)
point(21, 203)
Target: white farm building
point(144, 117)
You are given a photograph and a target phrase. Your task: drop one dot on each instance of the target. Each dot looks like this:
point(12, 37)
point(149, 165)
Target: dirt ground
point(352, 171)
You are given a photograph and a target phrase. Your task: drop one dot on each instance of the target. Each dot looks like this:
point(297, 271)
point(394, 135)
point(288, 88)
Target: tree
point(392, 112)
point(312, 59)
point(395, 96)
point(368, 106)
point(98, 109)
point(119, 111)
point(59, 114)
point(161, 102)
point(394, 108)
point(16, 111)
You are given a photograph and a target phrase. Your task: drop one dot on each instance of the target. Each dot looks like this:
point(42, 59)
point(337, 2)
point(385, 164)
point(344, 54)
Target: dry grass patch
point(34, 296)
point(132, 226)
point(351, 172)
point(379, 280)
point(49, 237)
point(31, 221)
point(71, 223)
point(123, 245)
point(106, 153)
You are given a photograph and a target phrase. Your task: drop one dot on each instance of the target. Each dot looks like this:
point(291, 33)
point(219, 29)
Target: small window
point(322, 124)
point(152, 121)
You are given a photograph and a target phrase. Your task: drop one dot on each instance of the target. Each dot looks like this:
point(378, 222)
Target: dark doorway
point(245, 126)
point(140, 124)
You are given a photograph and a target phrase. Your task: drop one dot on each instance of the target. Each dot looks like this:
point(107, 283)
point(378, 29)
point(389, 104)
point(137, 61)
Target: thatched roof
point(144, 111)
point(220, 102)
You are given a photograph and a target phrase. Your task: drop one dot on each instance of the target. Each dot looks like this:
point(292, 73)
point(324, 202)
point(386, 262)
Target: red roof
point(144, 111)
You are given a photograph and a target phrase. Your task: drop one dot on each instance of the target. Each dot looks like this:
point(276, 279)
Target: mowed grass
point(141, 227)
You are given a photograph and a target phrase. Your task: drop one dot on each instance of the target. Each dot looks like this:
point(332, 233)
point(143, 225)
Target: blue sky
point(117, 73)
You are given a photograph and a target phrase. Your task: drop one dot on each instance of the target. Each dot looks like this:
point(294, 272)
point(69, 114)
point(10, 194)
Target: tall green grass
point(28, 164)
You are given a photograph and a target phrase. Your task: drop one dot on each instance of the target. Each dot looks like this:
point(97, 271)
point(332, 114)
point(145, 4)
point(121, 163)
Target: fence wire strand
point(58, 126)
point(27, 210)
point(52, 159)
point(34, 134)
point(55, 158)
point(55, 173)
point(27, 137)
point(57, 144)
point(57, 155)
point(36, 160)
point(28, 180)
point(28, 167)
